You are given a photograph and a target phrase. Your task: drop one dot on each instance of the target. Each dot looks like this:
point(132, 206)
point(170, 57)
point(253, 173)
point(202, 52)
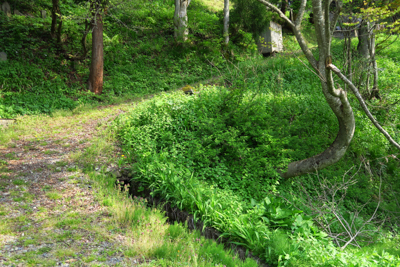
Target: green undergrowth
point(141, 233)
point(140, 55)
point(218, 154)
point(160, 243)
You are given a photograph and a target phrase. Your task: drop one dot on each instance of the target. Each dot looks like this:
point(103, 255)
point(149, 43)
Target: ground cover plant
point(141, 56)
point(65, 208)
point(219, 152)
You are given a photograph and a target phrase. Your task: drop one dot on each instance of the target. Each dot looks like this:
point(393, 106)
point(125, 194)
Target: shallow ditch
point(174, 214)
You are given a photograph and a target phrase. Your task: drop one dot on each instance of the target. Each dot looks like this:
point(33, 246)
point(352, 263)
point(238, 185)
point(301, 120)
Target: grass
point(62, 226)
point(196, 152)
point(222, 173)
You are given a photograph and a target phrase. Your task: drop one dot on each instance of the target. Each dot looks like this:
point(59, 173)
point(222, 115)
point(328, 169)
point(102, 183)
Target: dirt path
point(48, 212)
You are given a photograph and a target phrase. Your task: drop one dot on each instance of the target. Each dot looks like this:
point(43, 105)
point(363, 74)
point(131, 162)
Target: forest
point(199, 133)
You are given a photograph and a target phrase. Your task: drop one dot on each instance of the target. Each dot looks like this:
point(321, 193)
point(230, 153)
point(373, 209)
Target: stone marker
point(16, 12)
point(3, 56)
point(44, 14)
point(271, 39)
point(5, 7)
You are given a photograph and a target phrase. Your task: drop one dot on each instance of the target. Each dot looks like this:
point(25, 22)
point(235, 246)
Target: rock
point(43, 12)
point(5, 7)
point(3, 57)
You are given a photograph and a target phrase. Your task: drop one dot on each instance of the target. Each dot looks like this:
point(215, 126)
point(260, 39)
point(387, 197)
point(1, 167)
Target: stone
point(271, 40)
point(3, 56)
point(5, 7)
point(43, 14)
point(16, 12)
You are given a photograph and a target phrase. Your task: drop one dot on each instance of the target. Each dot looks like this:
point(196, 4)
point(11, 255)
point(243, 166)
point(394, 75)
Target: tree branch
point(277, 10)
point(339, 6)
point(299, 37)
point(300, 14)
point(362, 103)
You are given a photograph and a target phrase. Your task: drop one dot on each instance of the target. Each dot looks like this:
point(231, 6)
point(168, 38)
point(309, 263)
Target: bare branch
point(277, 10)
point(339, 6)
point(363, 105)
point(299, 37)
point(300, 14)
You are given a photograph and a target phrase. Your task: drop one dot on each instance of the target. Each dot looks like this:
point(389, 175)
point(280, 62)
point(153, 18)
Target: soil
point(41, 188)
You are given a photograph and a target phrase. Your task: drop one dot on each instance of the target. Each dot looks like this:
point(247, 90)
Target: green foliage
point(213, 154)
point(217, 153)
point(141, 56)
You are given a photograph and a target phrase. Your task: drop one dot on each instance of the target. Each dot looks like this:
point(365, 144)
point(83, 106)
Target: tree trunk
point(336, 98)
point(284, 6)
point(96, 68)
point(371, 49)
point(56, 15)
point(181, 30)
point(226, 22)
point(345, 117)
point(366, 49)
point(363, 40)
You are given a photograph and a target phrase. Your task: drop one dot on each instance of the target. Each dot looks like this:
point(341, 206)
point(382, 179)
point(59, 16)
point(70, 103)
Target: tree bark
point(226, 22)
point(96, 68)
point(336, 98)
point(181, 30)
point(56, 15)
point(363, 40)
point(371, 50)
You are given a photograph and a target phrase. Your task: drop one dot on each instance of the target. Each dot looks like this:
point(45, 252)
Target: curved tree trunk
point(344, 114)
point(96, 68)
point(226, 22)
point(181, 30)
point(336, 98)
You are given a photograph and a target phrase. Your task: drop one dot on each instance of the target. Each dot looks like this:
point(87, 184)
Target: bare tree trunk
point(226, 22)
point(371, 50)
point(88, 28)
point(56, 14)
point(284, 6)
point(363, 40)
point(335, 97)
point(366, 49)
point(181, 30)
point(96, 68)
